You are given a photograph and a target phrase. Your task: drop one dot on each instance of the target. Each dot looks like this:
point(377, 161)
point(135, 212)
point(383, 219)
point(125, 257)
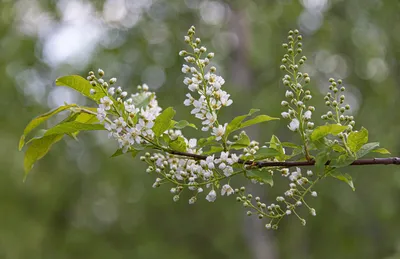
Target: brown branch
point(367, 161)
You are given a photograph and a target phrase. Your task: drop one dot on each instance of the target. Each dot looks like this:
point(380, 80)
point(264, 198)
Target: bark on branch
point(366, 161)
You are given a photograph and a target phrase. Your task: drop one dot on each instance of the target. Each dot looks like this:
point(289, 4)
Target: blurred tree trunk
point(260, 241)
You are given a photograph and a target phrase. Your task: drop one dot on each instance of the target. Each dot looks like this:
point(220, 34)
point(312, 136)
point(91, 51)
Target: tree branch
point(367, 161)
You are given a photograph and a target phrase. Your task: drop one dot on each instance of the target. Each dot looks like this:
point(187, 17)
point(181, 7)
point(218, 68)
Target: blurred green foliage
point(79, 203)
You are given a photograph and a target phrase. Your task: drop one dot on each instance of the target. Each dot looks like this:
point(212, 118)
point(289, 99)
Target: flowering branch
point(138, 123)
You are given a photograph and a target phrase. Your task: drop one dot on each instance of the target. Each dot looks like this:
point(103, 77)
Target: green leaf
point(276, 144)
point(71, 127)
point(37, 149)
point(342, 161)
point(264, 153)
point(321, 159)
point(325, 130)
point(213, 149)
point(338, 148)
point(142, 99)
point(261, 175)
point(133, 152)
point(81, 85)
point(206, 142)
point(178, 144)
point(235, 123)
point(39, 120)
point(366, 148)
point(344, 177)
point(183, 123)
point(381, 151)
point(291, 145)
point(163, 121)
point(256, 120)
point(242, 142)
point(357, 139)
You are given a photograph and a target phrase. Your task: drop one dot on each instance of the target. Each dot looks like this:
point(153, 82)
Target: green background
point(79, 203)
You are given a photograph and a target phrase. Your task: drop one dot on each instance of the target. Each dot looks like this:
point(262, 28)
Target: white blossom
point(211, 196)
point(294, 125)
point(219, 131)
point(227, 189)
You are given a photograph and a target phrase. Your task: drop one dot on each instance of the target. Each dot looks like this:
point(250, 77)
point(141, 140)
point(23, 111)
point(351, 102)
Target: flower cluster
point(334, 99)
point(206, 84)
point(126, 121)
point(192, 174)
point(299, 187)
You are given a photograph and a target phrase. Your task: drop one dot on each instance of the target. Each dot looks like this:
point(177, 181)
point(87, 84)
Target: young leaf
point(261, 175)
point(264, 153)
point(381, 151)
point(71, 127)
point(213, 150)
point(39, 120)
point(163, 121)
point(235, 123)
point(37, 149)
point(178, 144)
point(344, 177)
point(81, 85)
point(342, 161)
point(206, 142)
point(276, 144)
point(256, 120)
point(321, 159)
point(142, 99)
point(366, 148)
point(357, 139)
point(325, 130)
point(183, 123)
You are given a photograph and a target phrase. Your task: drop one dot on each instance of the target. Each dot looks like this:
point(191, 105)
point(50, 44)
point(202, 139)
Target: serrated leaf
point(178, 144)
point(142, 99)
point(381, 151)
point(326, 130)
point(235, 123)
point(344, 177)
point(321, 159)
point(71, 127)
point(206, 141)
point(357, 139)
point(37, 149)
point(291, 145)
point(341, 161)
point(261, 175)
point(264, 153)
point(81, 85)
point(213, 150)
point(366, 148)
point(39, 120)
point(183, 123)
point(256, 120)
point(163, 121)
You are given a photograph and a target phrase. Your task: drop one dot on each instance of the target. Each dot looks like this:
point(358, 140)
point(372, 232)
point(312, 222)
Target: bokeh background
point(79, 203)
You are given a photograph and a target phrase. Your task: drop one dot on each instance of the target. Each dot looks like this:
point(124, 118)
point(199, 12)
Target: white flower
point(289, 94)
point(111, 90)
point(288, 212)
point(312, 211)
point(92, 91)
point(211, 196)
point(105, 103)
point(309, 173)
point(285, 115)
point(192, 143)
point(294, 125)
point(219, 131)
point(314, 194)
point(307, 115)
point(227, 189)
point(210, 119)
point(185, 69)
point(101, 114)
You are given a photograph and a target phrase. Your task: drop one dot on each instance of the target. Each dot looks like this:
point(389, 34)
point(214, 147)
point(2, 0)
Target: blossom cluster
point(124, 121)
point(211, 98)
